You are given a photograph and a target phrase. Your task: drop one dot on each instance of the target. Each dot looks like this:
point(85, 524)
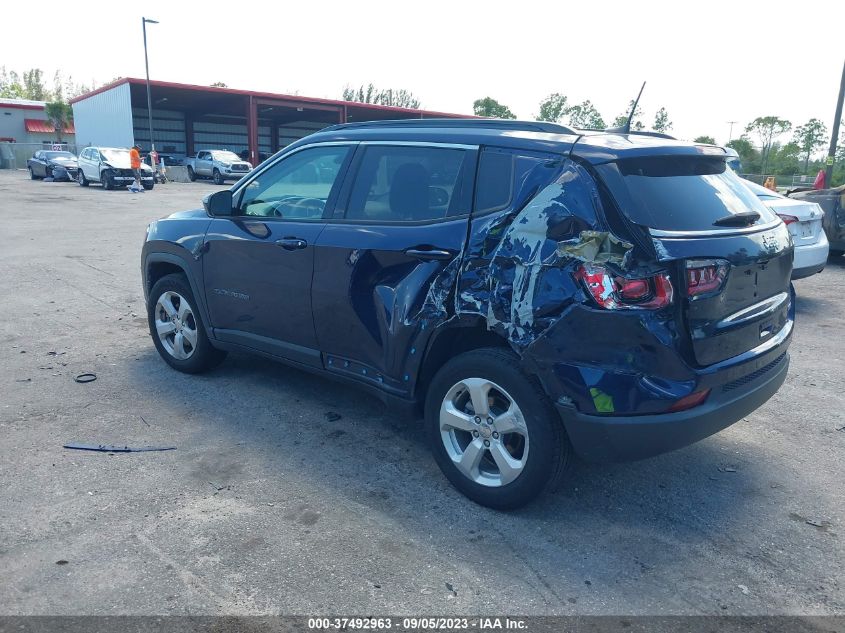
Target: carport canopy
point(211, 104)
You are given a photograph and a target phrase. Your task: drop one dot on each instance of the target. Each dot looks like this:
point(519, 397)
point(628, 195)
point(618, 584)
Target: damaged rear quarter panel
point(517, 274)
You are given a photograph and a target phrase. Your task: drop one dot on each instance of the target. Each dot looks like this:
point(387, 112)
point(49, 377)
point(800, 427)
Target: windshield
point(684, 193)
point(115, 155)
point(226, 156)
point(51, 155)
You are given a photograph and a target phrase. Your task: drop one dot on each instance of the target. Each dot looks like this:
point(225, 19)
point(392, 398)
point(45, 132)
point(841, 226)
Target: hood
point(184, 215)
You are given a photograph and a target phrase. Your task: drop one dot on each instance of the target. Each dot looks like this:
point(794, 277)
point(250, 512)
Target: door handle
point(428, 254)
point(292, 243)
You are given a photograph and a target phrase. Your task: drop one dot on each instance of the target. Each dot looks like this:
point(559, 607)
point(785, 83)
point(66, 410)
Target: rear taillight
point(613, 292)
point(705, 276)
point(787, 219)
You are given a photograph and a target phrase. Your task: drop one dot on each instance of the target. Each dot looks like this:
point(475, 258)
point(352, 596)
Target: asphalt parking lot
point(269, 505)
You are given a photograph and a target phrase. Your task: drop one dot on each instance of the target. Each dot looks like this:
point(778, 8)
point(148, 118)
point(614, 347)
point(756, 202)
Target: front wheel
point(218, 178)
point(493, 431)
point(32, 175)
point(177, 328)
point(148, 185)
point(106, 179)
point(835, 252)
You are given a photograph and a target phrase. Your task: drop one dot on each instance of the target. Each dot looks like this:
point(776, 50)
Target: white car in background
point(804, 221)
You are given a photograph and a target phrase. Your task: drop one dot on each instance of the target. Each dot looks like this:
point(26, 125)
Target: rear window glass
point(686, 193)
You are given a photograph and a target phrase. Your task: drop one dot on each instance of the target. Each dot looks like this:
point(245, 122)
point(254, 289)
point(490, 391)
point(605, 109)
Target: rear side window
point(685, 193)
point(408, 184)
point(506, 178)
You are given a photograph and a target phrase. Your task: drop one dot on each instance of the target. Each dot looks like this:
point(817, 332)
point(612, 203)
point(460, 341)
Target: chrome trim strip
point(714, 232)
point(758, 309)
point(248, 177)
point(403, 143)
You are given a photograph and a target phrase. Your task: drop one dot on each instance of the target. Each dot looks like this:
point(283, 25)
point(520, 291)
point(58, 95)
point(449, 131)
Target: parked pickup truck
point(218, 164)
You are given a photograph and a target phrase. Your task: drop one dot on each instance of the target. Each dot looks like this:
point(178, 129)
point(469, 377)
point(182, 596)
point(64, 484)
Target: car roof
point(594, 146)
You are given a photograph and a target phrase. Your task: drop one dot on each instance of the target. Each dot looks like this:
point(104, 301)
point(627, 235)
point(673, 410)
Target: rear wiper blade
point(745, 218)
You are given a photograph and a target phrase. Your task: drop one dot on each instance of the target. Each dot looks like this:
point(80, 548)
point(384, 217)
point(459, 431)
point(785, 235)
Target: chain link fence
point(15, 155)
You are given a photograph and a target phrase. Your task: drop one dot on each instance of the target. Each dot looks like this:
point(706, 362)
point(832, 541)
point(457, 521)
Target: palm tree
point(60, 114)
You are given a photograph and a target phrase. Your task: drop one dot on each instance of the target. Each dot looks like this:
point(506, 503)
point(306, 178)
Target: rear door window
point(408, 184)
point(682, 193)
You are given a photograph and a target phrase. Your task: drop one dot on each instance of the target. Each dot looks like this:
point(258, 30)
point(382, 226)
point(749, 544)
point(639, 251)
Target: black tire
point(106, 179)
point(32, 175)
point(218, 178)
point(191, 175)
point(81, 179)
point(549, 451)
point(835, 252)
point(148, 185)
point(204, 356)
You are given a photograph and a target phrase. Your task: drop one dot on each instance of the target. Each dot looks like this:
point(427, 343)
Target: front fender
point(178, 241)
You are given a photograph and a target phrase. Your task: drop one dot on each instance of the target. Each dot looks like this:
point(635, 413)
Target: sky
point(707, 63)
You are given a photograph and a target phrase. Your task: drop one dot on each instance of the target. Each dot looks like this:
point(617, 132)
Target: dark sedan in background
point(52, 164)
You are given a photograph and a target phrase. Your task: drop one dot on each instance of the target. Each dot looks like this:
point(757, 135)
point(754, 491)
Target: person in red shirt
point(135, 164)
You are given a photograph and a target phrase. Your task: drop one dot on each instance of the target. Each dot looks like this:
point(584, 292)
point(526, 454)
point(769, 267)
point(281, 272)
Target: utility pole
point(149, 98)
point(834, 135)
point(731, 133)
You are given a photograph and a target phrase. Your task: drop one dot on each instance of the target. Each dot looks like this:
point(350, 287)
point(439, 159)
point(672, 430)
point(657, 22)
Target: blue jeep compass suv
point(535, 292)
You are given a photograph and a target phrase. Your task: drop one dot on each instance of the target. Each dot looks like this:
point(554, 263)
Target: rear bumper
point(810, 259)
point(611, 438)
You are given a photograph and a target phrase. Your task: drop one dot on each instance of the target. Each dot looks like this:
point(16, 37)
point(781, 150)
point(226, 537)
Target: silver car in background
point(804, 221)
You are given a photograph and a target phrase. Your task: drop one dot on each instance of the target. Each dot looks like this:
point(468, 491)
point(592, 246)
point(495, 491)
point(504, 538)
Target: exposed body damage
point(512, 274)
point(518, 275)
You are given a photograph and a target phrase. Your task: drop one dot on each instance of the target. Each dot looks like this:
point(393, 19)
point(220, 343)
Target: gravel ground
point(268, 506)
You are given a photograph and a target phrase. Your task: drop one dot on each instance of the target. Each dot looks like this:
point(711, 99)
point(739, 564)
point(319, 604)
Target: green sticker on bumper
point(602, 401)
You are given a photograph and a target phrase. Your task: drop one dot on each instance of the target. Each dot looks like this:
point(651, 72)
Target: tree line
point(760, 146)
point(30, 84)
point(772, 155)
point(556, 108)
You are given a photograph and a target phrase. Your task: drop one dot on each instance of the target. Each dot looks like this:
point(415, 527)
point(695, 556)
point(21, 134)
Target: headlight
point(226, 166)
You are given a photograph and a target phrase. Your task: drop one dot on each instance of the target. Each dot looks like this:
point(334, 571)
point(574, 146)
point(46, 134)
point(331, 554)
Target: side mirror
point(219, 204)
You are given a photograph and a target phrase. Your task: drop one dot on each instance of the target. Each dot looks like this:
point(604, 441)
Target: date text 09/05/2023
point(416, 623)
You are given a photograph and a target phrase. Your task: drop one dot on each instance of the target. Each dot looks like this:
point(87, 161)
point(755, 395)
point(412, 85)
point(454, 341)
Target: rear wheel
point(177, 328)
point(493, 431)
point(191, 175)
point(218, 178)
point(81, 179)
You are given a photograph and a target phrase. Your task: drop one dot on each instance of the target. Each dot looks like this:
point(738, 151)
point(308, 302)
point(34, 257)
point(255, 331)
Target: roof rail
point(490, 124)
point(619, 130)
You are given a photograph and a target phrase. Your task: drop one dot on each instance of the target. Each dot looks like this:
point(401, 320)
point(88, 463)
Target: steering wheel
point(314, 203)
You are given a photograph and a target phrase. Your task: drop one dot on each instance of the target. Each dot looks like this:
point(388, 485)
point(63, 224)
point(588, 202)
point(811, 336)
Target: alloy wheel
point(484, 432)
point(176, 325)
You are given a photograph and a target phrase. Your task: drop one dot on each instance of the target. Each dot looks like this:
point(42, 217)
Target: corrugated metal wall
point(168, 130)
point(295, 131)
point(231, 134)
point(104, 119)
